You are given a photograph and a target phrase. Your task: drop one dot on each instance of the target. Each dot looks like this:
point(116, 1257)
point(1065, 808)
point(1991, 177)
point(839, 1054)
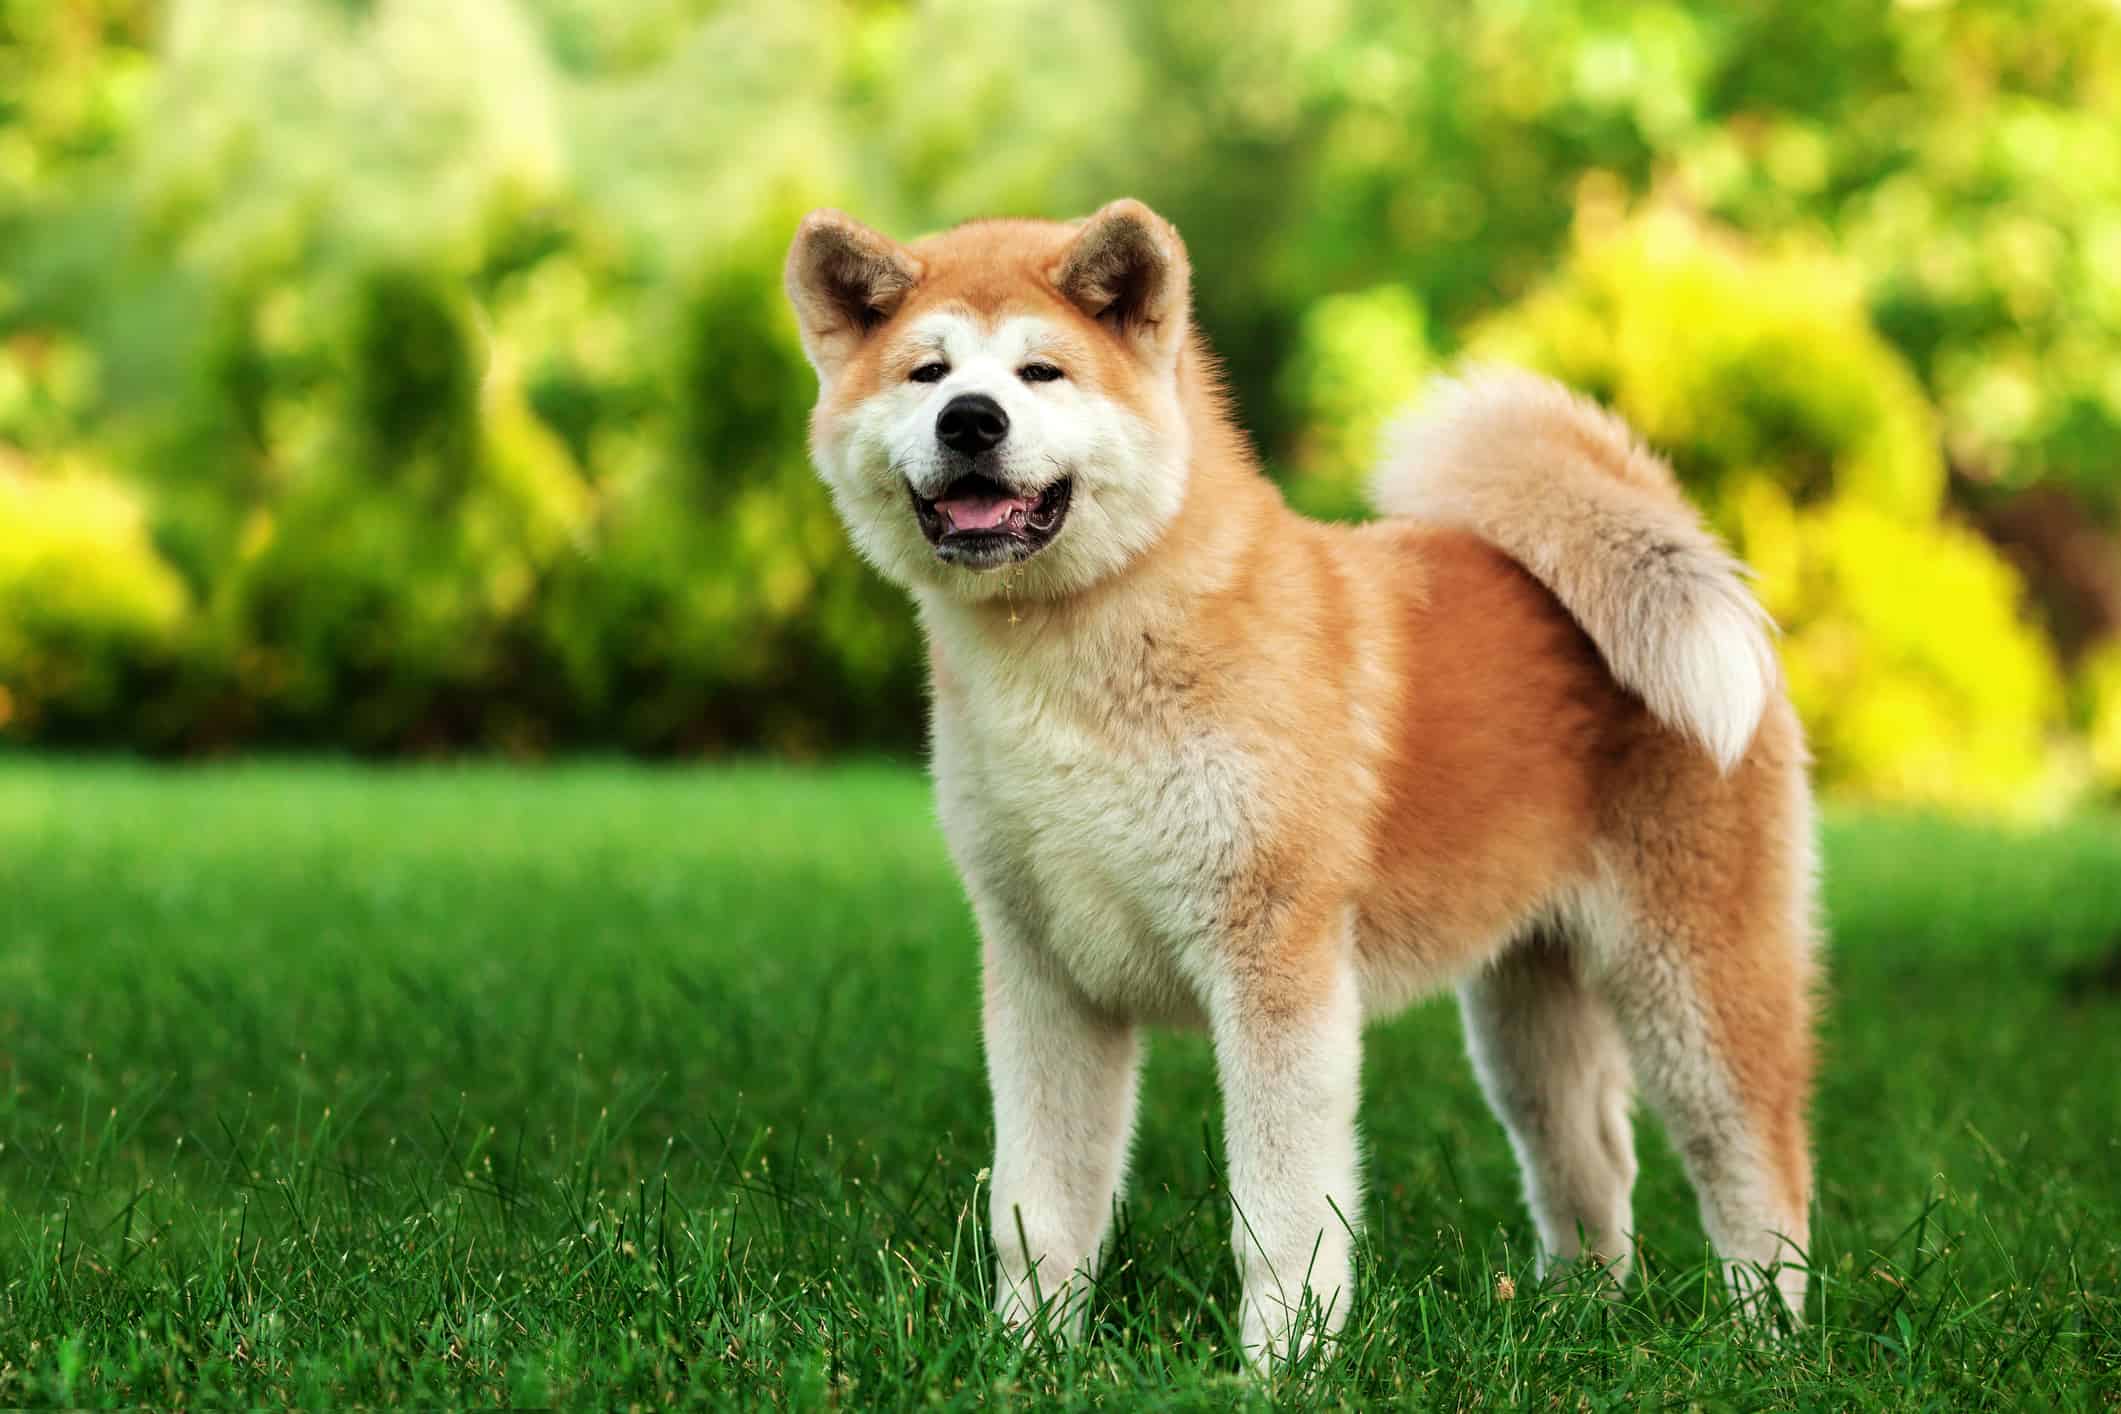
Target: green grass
point(325, 1085)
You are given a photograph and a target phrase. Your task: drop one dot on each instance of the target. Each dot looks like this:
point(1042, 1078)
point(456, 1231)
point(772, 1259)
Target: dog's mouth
point(979, 523)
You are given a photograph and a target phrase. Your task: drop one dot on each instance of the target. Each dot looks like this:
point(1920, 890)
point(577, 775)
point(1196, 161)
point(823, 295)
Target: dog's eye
point(1039, 373)
point(930, 373)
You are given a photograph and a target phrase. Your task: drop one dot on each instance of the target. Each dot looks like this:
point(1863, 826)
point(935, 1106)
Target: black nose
point(972, 423)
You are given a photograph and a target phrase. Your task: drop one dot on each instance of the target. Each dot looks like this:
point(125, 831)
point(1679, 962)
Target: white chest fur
point(1091, 815)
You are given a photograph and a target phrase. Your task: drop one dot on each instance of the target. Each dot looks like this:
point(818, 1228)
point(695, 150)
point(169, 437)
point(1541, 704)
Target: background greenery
point(411, 377)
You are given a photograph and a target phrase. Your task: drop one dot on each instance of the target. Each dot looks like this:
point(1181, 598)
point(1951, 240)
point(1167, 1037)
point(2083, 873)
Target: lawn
point(601, 1085)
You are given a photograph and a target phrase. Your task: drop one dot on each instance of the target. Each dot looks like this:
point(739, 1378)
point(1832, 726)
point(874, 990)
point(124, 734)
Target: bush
point(388, 599)
point(1359, 358)
point(721, 604)
point(1739, 365)
point(461, 400)
point(2101, 684)
point(91, 620)
point(1907, 653)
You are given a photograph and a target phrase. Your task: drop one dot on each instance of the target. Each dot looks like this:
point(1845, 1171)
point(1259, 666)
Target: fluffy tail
point(1567, 491)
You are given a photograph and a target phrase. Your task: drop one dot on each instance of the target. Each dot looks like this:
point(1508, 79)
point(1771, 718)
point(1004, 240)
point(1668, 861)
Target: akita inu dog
point(1202, 761)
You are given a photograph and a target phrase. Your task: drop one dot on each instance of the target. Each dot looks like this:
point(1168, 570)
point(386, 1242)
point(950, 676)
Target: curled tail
point(1565, 489)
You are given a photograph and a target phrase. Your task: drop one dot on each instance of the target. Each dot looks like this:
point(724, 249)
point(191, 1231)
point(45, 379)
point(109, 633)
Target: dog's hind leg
point(1553, 1067)
point(1713, 995)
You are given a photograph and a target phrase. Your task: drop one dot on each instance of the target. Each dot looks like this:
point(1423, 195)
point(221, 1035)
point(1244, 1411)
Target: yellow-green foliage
point(84, 600)
point(459, 396)
point(1813, 448)
point(1905, 652)
point(1735, 364)
point(1359, 358)
point(2102, 692)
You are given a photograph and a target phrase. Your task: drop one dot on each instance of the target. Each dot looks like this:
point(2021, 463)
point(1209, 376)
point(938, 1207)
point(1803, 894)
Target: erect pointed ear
point(844, 281)
point(1127, 269)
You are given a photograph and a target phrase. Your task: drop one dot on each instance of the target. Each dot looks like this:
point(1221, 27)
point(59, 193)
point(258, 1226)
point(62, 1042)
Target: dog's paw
point(1279, 1336)
point(1029, 1315)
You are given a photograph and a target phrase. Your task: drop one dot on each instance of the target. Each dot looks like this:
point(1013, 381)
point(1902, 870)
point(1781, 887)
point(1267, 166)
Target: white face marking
point(1047, 426)
point(1127, 471)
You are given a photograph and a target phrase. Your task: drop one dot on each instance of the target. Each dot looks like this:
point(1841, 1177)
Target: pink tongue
point(979, 513)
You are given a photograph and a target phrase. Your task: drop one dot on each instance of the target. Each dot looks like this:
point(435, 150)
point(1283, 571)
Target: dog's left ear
point(1126, 268)
point(844, 280)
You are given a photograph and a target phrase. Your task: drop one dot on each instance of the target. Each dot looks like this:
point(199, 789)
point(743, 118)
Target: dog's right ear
point(844, 280)
point(1126, 268)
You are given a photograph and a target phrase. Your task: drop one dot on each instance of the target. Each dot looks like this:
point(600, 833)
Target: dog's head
point(999, 403)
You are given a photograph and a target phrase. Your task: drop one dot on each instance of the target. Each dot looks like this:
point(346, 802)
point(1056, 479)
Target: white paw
point(1770, 1298)
point(1277, 1334)
point(1028, 1308)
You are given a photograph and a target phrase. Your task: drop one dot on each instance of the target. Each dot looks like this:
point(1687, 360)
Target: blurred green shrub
point(1358, 359)
point(455, 402)
point(1908, 651)
point(2102, 709)
point(389, 598)
point(1740, 366)
point(1905, 638)
point(720, 605)
point(91, 620)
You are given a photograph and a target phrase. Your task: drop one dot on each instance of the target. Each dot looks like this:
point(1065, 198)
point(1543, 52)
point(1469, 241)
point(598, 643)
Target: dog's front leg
point(1288, 1045)
point(1063, 1075)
